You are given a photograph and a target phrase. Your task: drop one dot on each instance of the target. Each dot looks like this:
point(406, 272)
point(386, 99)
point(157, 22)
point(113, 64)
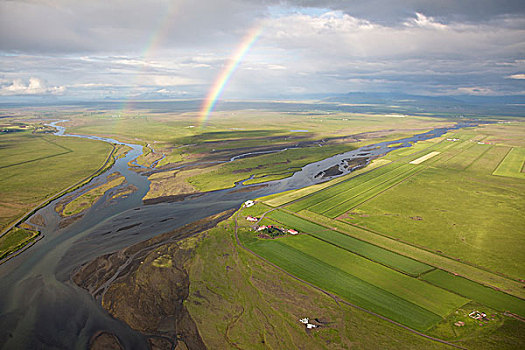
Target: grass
point(326, 194)
point(342, 197)
point(489, 161)
point(352, 244)
point(464, 215)
point(15, 239)
point(420, 293)
point(86, 200)
point(472, 290)
point(284, 198)
point(345, 285)
point(375, 187)
point(430, 257)
point(36, 167)
point(495, 332)
point(468, 156)
point(512, 164)
point(235, 297)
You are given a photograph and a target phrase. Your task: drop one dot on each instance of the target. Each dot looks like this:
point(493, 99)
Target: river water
point(40, 308)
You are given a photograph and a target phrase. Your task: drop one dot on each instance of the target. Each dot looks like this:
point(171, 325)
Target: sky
point(178, 49)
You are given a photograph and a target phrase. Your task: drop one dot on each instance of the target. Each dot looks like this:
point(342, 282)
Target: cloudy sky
point(124, 49)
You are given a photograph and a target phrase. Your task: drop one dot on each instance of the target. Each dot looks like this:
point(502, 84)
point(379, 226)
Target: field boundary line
point(362, 240)
point(481, 268)
point(336, 298)
point(367, 189)
point(424, 249)
point(67, 150)
point(48, 200)
point(501, 161)
point(388, 188)
point(391, 162)
point(478, 157)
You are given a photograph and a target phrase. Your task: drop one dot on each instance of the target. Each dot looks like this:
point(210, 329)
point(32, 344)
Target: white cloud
point(516, 76)
point(35, 86)
point(423, 21)
point(475, 90)
point(168, 80)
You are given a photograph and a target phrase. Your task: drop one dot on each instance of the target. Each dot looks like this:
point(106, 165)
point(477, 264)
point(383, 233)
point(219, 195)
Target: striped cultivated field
point(351, 244)
point(344, 284)
point(512, 164)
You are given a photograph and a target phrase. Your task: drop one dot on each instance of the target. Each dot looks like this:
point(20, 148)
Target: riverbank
point(158, 265)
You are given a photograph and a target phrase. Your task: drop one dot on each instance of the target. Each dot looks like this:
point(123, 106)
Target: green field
point(15, 239)
point(484, 295)
point(469, 216)
point(450, 213)
point(345, 285)
point(420, 293)
point(35, 167)
point(289, 196)
point(512, 164)
point(351, 244)
point(237, 298)
point(428, 256)
point(344, 196)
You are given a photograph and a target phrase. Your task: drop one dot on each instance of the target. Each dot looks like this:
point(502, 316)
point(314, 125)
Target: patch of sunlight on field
point(425, 157)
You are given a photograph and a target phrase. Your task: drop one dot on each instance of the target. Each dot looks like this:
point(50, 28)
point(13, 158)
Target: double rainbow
point(226, 73)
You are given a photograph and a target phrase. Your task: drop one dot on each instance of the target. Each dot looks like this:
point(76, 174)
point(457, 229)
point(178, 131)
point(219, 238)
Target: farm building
point(249, 203)
point(292, 231)
point(252, 219)
point(477, 315)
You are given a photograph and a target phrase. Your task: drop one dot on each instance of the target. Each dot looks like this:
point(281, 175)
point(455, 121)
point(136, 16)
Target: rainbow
point(159, 33)
point(226, 73)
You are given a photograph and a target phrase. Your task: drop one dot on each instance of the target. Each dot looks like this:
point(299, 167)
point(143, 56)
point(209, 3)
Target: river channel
point(40, 308)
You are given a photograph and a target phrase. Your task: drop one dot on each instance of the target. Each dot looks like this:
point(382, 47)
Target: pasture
point(244, 294)
point(35, 167)
point(475, 291)
point(430, 257)
point(465, 215)
point(351, 244)
point(512, 164)
point(344, 284)
point(15, 239)
point(416, 291)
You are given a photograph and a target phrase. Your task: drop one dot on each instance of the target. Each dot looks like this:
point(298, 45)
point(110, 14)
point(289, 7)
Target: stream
point(41, 308)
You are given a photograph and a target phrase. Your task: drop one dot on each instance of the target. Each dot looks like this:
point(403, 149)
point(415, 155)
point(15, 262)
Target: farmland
point(252, 295)
point(383, 228)
point(27, 168)
point(512, 164)
point(351, 244)
point(28, 160)
point(417, 240)
point(459, 191)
